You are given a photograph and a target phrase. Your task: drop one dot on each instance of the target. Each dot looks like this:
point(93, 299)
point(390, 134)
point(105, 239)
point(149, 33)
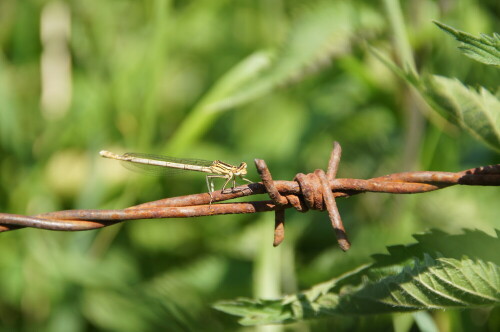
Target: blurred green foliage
point(218, 79)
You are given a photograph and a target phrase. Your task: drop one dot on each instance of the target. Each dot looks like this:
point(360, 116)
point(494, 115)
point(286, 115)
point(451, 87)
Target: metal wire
point(316, 190)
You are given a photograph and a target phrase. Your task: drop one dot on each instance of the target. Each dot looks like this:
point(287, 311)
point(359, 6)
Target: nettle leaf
point(476, 111)
point(485, 49)
point(430, 284)
point(320, 32)
point(257, 311)
point(440, 271)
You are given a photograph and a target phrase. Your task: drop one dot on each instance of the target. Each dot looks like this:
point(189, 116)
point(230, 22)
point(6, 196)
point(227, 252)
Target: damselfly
point(150, 163)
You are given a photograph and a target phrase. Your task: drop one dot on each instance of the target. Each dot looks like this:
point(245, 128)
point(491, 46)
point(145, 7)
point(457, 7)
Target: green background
point(80, 76)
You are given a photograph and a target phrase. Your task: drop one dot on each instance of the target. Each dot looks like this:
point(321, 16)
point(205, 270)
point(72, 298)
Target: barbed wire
point(317, 191)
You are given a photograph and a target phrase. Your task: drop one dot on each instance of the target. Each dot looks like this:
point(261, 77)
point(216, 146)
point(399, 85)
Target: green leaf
point(320, 32)
point(324, 30)
point(476, 111)
point(440, 271)
point(256, 311)
point(203, 115)
point(430, 284)
point(485, 49)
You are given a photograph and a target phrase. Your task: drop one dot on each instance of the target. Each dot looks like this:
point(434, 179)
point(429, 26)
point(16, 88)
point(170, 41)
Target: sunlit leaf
point(476, 111)
point(430, 284)
point(485, 49)
point(422, 276)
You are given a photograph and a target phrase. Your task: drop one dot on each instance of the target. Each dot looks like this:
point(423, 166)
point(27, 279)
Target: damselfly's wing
point(160, 170)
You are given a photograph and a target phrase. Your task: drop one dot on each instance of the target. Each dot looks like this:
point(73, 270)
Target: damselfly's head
point(241, 170)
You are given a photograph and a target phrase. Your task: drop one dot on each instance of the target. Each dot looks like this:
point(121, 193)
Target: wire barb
point(317, 190)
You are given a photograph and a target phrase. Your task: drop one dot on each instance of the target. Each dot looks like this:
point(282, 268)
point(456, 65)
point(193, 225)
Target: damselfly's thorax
point(220, 167)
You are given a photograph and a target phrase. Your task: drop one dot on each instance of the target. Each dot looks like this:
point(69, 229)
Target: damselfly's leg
point(225, 183)
point(241, 177)
point(209, 191)
point(234, 182)
point(210, 184)
point(246, 180)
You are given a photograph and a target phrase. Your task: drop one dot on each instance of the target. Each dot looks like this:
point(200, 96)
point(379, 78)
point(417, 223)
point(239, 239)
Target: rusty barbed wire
point(317, 191)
